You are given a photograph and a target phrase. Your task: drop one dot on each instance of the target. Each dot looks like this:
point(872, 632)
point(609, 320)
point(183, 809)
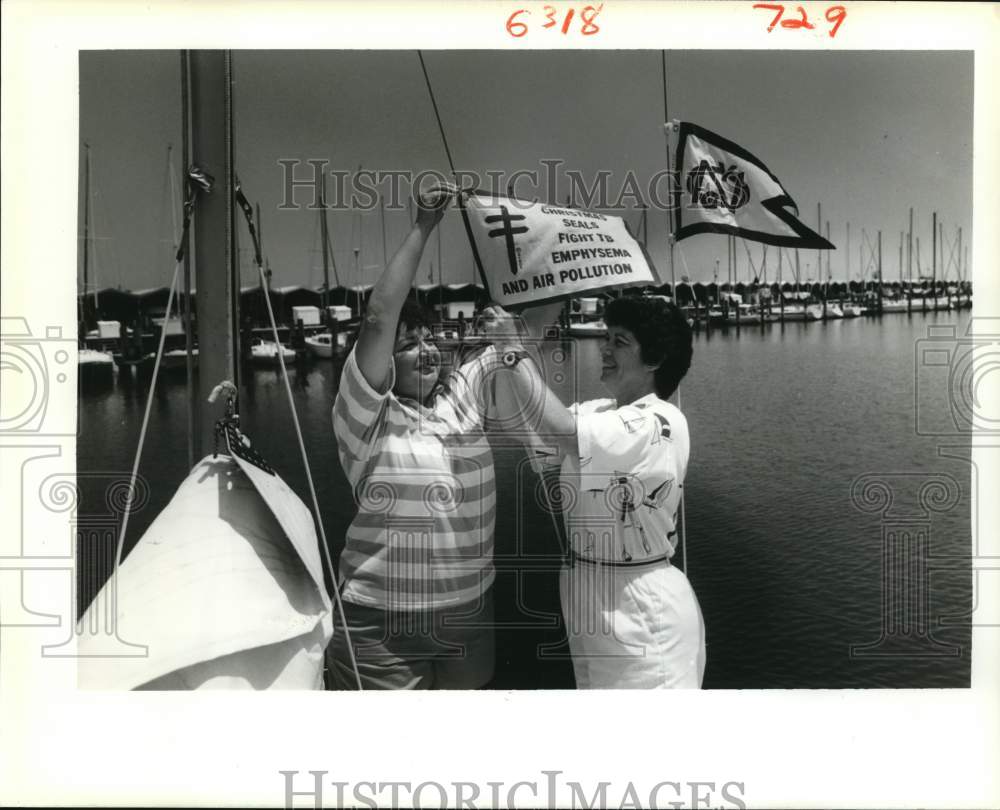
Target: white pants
point(633, 628)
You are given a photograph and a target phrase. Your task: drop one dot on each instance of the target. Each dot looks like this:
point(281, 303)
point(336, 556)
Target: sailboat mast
point(829, 272)
point(86, 224)
point(191, 410)
point(961, 275)
point(325, 238)
point(900, 257)
point(880, 291)
point(819, 253)
point(909, 251)
point(212, 151)
point(944, 267)
point(934, 229)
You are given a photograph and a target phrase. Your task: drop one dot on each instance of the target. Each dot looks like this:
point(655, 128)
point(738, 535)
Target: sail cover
point(224, 590)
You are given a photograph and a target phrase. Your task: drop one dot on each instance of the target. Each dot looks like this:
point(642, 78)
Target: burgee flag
point(722, 188)
point(531, 252)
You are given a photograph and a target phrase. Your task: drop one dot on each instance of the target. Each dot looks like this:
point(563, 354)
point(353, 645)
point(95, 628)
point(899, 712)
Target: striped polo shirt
point(424, 489)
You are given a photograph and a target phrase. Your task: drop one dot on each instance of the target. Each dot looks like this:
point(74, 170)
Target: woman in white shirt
point(631, 617)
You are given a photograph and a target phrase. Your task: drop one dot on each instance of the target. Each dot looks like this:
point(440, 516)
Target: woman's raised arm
point(373, 351)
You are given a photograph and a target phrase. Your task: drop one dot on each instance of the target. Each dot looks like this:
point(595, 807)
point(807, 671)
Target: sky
point(864, 134)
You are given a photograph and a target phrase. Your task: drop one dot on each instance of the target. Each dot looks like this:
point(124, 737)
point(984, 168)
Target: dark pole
point(826, 287)
point(781, 292)
point(880, 272)
point(944, 268)
point(211, 147)
point(86, 230)
point(819, 256)
point(192, 412)
point(848, 257)
point(909, 265)
point(961, 275)
point(934, 258)
point(325, 237)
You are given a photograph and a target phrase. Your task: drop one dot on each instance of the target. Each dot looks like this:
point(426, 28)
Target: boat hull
point(95, 368)
point(267, 354)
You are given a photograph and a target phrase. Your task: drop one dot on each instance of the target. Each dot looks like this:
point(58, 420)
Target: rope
point(198, 182)
point(142, 433)
point(437, 115)
point(673, 281)
point(554, 517)
point(750, 260)
point(309, 478)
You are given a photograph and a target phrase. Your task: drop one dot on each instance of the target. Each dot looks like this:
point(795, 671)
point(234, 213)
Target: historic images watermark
point(38, 372)
point(951, 406)
point(304, 183)
point(545, 790)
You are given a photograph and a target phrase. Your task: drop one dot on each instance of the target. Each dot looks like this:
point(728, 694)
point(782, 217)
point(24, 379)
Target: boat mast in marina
point(909, 264)
point(215, 261)
point(900, 258)
point(328, 259)
point(848, 254)
point(934, 229)
point(879, 272)
point(829, 272)
point(86, 233)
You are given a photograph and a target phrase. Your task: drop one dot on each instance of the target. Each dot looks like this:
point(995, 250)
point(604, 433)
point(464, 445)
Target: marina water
point(787, 565)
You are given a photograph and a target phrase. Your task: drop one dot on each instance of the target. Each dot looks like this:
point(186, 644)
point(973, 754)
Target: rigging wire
point(142, 438)
point(318, 516)
point(197, 181)
point(552, 502)
point(437, 115)
point(309, 479)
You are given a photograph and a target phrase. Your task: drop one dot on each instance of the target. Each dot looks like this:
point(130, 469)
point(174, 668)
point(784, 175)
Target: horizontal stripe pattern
point(425, 492)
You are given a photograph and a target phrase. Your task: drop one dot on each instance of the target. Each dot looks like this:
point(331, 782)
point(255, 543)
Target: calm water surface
point(787, 568)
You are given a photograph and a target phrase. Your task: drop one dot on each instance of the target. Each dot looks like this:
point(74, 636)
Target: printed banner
point(533, 252)
point(725, 189)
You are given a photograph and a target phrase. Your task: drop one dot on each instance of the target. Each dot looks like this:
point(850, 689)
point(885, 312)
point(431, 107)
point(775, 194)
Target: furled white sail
point(225, 589)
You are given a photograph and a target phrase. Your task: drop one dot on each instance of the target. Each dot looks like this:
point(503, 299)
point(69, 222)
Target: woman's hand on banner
point(500, 326)
point(431, 205)
point(537, 318)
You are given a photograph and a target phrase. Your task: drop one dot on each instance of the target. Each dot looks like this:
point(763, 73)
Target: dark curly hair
point(663, 333)
point(414, 315)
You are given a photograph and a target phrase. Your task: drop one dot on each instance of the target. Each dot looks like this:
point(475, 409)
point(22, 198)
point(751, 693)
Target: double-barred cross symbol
point(508, 231)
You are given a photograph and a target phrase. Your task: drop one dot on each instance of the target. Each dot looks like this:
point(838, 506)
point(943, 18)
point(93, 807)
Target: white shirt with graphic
point(622, 495)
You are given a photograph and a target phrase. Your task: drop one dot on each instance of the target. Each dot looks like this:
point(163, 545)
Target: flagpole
point(673, 200)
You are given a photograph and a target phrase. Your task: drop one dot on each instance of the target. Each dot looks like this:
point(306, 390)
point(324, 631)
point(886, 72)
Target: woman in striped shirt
point(417, 565)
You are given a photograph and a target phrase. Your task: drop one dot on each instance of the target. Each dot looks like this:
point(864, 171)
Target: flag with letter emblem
point(529, 252)
point(722, 188)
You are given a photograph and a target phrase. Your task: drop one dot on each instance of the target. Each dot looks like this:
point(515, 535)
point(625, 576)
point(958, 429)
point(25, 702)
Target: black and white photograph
point(601, 388)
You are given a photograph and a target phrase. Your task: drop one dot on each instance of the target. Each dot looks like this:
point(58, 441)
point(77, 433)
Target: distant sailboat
point(94, 366)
